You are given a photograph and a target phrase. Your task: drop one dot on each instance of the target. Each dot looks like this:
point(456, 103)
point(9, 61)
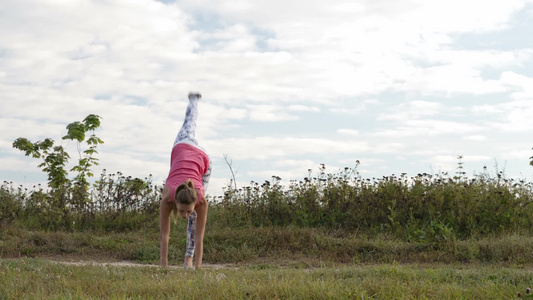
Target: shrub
point(431, 209)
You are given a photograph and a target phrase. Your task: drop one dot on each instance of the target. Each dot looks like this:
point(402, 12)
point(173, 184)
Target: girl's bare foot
point(194, 95)
point(188, 262)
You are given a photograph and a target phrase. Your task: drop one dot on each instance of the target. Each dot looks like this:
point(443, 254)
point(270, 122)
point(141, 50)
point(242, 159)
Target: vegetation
point(38, 279)
point(433, 209)
point(303, 247)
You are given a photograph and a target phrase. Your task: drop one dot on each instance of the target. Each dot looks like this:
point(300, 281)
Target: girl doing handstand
point(184, 190)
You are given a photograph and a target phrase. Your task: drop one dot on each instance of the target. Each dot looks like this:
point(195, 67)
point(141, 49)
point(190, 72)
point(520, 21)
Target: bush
point(115, 203)
point(431, 209)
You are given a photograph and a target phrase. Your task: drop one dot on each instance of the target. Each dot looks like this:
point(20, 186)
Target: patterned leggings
point(187, 135)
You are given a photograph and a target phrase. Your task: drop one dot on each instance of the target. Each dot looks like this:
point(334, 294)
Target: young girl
point(184, 191)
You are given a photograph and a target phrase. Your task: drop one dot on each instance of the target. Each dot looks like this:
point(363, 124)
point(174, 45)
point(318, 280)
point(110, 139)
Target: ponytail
point(185, 194)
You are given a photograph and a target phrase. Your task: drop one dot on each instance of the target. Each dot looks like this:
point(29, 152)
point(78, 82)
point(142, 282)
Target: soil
point(129, 264)
point(95, 260)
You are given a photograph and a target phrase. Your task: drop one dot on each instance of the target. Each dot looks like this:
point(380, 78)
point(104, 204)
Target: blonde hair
point(185, 194)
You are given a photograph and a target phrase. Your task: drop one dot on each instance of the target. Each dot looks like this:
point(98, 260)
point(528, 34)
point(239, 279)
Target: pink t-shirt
point(187, 162)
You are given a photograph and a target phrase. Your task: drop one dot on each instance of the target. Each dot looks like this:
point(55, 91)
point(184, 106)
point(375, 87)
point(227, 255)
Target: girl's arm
point(164, 227)
point(201, 219)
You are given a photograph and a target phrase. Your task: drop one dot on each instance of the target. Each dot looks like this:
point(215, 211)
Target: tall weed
point(431, 209)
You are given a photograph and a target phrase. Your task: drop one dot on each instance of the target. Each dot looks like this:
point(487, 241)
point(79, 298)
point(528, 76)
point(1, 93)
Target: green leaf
point(76, 131)
point(92, 122)
point(46, 144)
point(90, 151)
point(28, 147)
point(76, 168)
point(94, 140)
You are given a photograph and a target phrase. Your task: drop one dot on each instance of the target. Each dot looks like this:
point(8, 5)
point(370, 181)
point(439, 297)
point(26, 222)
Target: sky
point(400, 86)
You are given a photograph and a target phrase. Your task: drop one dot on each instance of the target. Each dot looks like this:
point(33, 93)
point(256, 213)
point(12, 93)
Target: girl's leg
point(207, 176)
point(187, 135)
point(191, 231)
point(188, 129)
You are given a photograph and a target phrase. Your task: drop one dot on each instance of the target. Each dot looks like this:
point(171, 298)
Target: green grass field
point(27, 278)
point(261, 263)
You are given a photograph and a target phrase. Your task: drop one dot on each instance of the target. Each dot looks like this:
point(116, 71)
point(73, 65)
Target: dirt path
point(96, 260)
point(132, 264)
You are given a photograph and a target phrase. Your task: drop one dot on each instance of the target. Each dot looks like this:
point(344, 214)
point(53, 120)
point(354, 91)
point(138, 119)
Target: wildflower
point(518, 295)
point(528, 290)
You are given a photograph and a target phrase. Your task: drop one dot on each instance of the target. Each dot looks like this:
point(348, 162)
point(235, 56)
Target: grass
point(308, 246)
point(37, 278)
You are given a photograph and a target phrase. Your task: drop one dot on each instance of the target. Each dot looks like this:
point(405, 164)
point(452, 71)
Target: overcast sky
point(402, 86)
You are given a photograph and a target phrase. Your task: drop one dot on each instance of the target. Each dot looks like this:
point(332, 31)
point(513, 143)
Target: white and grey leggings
point(187, 135)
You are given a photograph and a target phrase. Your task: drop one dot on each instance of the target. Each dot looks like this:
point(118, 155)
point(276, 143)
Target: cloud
point(521, 155)
point(425, 118)
point(412, 128)
point(354, 107)
point(362, 49)
point(519, 81)
point(138, 40)
point(17, 164)
point(412, 110)
point(269, 113)
point(402, 63)
point(449, 163)
point(476, 137)
point(264, 147)
point(348, 132)
point(511, 116)
point(435, 16)
point(304, 108)
point(233, 39)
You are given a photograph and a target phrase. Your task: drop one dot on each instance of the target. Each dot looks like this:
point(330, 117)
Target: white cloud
point(475, 158)
point(284, 175)
point(437, 16)
point(354, 107)
point(348, 132)
point(264, 147)
point(269, 113)
point(476, 138)
point(303, 108)
point(234, 39)
point(451, 163)
point(133, 62)
point(298, 164)
point(513, 116)
point(419, 128)
point(450, 79)
point(522, 82)
point(412, 110)
point(520, 155)
point(363, 49)
point(14, 164)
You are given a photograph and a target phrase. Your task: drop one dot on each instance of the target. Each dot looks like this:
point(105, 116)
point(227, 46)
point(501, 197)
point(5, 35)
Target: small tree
point(77, 131)
point(55, 158)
